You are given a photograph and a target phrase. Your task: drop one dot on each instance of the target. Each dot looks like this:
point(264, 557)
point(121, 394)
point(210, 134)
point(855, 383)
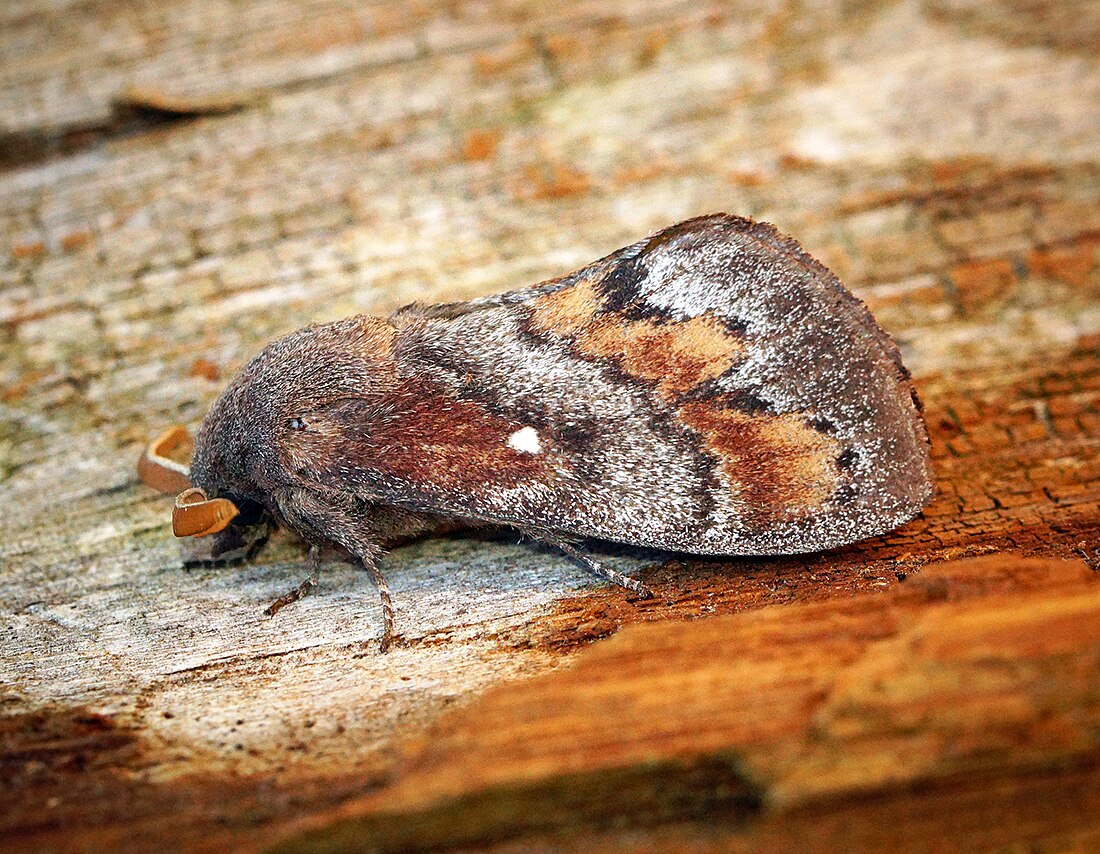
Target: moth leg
point(313, 564)
point(384, 594)
point(586, 560)
point(344, 521)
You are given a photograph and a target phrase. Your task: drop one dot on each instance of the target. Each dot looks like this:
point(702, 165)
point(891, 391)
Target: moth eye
point(295, 424)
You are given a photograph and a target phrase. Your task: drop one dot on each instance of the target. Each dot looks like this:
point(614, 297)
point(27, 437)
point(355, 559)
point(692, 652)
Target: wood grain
point(975, 674)
point(941, 159)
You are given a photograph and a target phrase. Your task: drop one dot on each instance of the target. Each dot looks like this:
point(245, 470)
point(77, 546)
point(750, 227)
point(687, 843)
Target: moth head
point(251, 441)
point(244, 453)
point(230, 527)
point(228, 512)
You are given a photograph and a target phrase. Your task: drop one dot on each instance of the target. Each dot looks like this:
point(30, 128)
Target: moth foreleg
point(313, 564)
point(584, 559)
point(345, 521)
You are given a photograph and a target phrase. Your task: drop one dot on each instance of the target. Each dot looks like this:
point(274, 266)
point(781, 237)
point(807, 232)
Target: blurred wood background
point(182, 180)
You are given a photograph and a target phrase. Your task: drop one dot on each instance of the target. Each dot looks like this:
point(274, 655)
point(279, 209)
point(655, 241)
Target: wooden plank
point(972, 678)
point(415, 151)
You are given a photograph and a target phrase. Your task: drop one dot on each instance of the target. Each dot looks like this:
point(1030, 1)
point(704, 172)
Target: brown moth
point(711, 389)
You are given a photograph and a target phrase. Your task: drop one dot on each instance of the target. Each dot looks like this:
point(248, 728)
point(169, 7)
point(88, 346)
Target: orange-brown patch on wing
point(785, 469)
point(376, 337)
point(568, 311)
point(677, 356)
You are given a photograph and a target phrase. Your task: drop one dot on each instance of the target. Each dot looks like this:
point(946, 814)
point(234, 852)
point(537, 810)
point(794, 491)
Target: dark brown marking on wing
point(744, 401)
point(846, 493)
point(783, 467)
point(822, 424)
point(578, 437)
point(619, 291)
point(424, 434)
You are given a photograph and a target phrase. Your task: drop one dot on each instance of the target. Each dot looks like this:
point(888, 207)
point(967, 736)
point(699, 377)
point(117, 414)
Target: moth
point(711, 389)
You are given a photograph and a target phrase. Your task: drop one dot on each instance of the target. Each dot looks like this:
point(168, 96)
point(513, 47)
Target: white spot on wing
point(526, 441)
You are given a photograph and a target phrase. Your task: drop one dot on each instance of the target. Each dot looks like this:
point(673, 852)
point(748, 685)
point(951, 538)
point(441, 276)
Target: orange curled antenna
point(195, 515)
point(158, 471)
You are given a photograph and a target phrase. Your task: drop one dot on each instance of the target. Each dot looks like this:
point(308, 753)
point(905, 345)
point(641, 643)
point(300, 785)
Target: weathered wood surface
point(313, 160)
point(748, 729)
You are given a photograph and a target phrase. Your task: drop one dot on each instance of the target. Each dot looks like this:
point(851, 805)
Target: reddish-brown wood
point(971, 683)
point(175, 190)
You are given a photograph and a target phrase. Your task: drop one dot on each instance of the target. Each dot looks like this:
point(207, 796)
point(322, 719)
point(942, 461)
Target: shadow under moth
point(711, 389)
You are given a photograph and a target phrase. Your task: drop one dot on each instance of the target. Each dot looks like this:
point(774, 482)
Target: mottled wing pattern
point(711, 389)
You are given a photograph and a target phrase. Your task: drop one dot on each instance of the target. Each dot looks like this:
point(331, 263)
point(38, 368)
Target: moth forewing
point(711, 389)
